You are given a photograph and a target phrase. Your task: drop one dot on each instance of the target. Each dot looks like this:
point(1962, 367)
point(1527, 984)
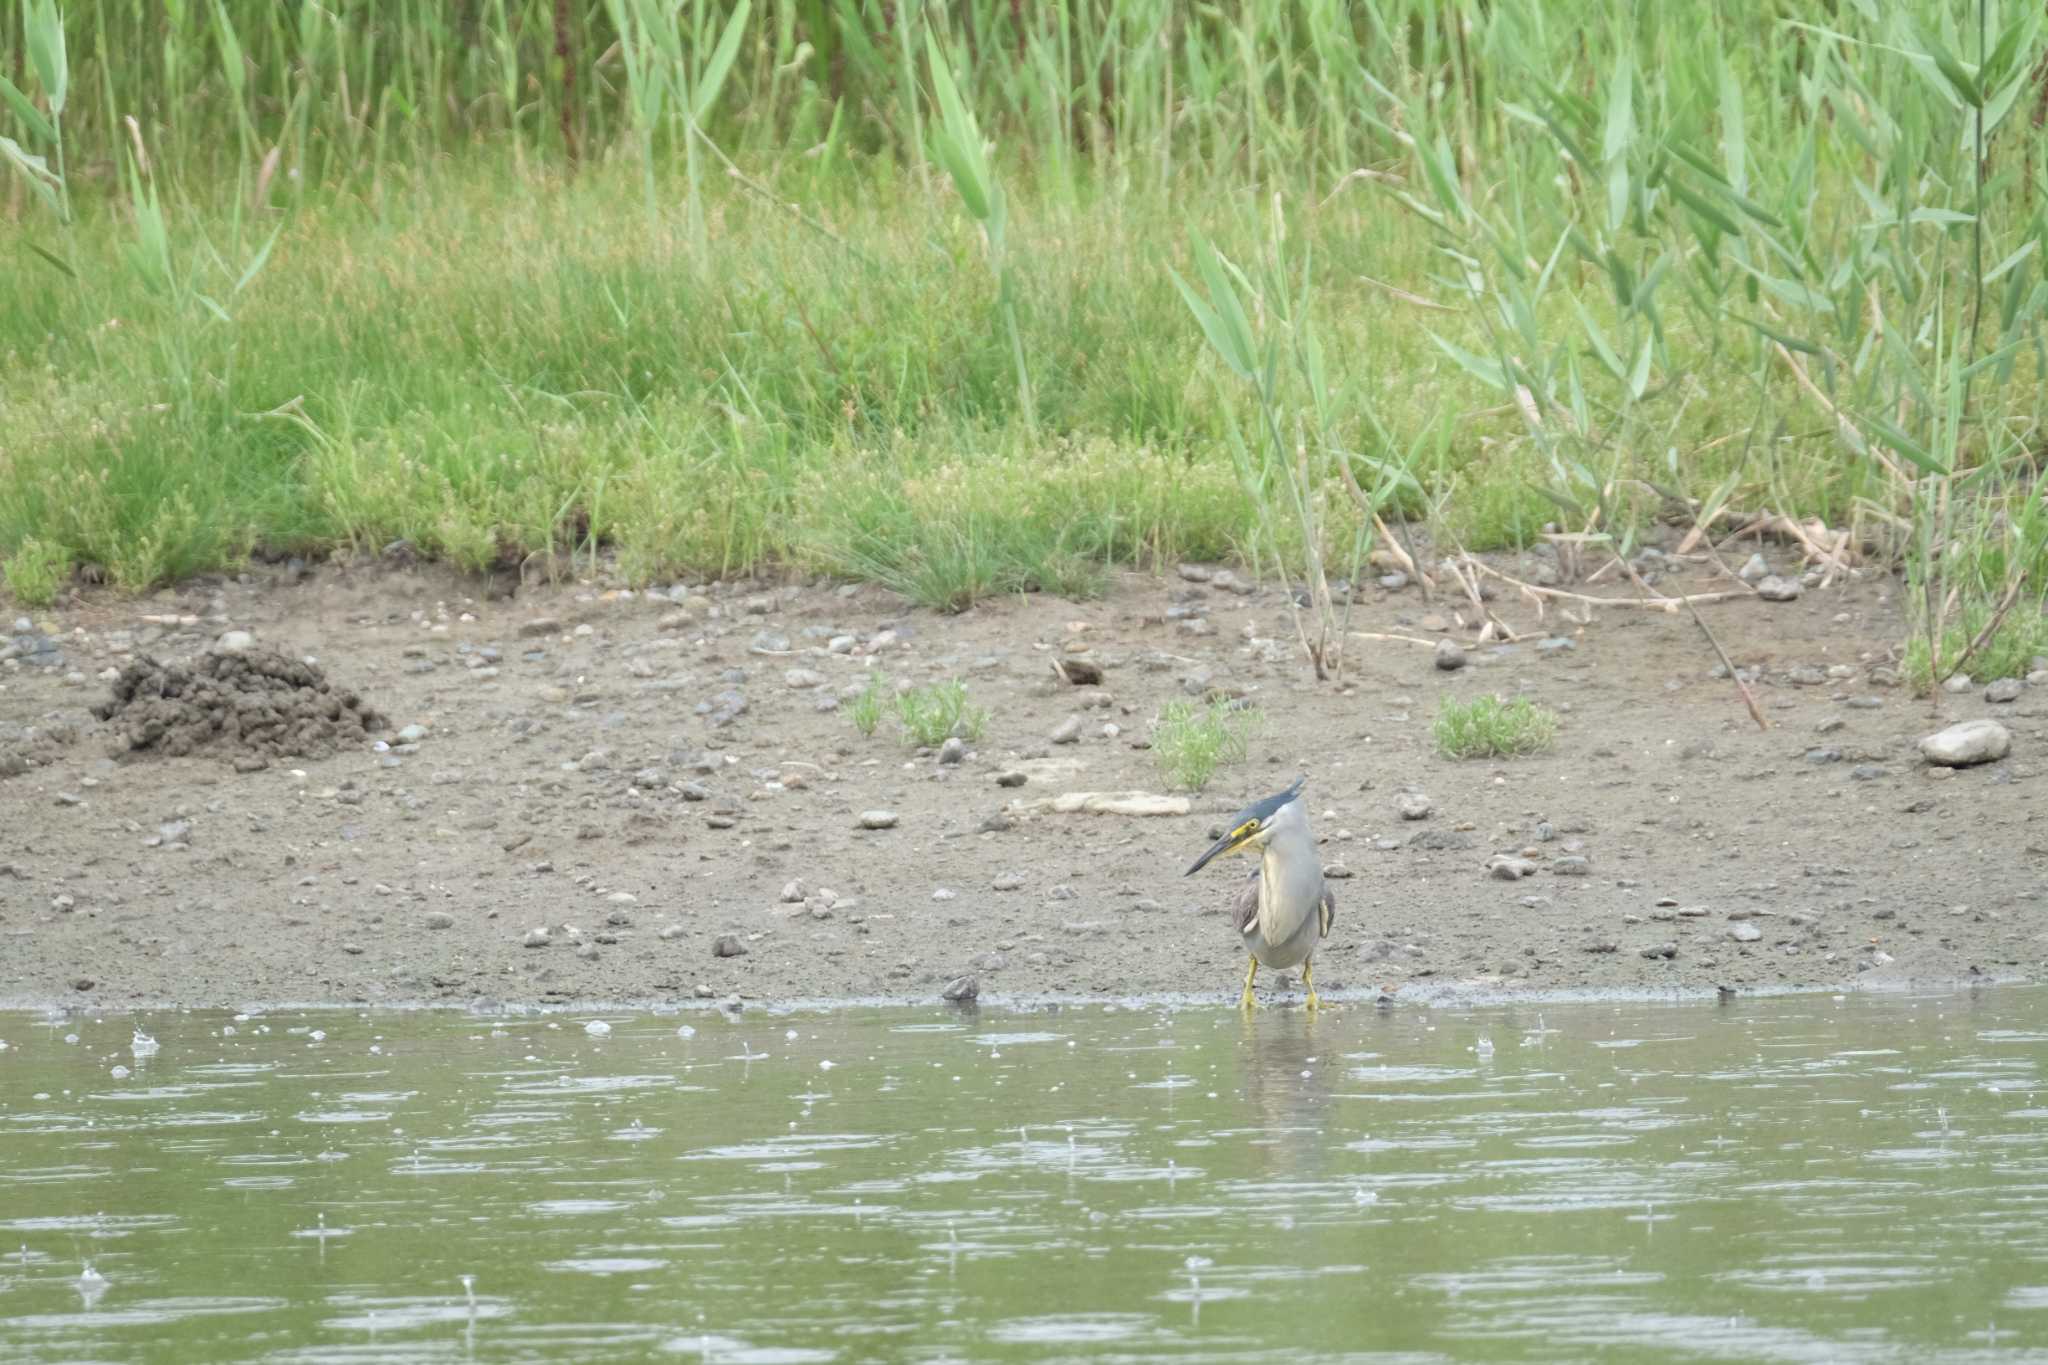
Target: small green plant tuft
point(35, 571)
point(2007, 651)
point(1190, 742)
point(867, 707)
point(1487, 727)
point(932, 715)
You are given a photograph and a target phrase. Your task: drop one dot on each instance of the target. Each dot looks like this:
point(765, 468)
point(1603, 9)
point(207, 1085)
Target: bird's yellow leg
point(1308, 979)
point(1247, 1001)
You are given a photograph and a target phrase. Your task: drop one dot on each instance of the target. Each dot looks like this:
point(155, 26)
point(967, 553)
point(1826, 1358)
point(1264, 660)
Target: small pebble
point(878, 819)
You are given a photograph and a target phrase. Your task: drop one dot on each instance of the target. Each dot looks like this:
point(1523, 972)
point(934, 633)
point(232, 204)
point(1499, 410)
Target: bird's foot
point(1313, 1003)
point(1247, 1001)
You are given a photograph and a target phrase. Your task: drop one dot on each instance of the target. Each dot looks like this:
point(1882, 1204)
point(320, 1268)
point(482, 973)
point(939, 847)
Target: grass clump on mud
point(1190, 740)
point(1488, 727)
point(865, 710)
point(933, 714)
point(898, 291)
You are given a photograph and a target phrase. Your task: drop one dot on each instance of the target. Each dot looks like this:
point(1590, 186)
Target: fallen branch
point(1748, 698)
point(1658, 601)
point(1470, 583)
point(1104, 803)
point(1404, 639)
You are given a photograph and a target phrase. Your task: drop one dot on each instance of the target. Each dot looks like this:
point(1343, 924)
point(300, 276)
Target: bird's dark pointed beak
point(1216, 850)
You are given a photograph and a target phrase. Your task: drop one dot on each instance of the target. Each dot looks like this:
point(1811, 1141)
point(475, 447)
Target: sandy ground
point(656, 798)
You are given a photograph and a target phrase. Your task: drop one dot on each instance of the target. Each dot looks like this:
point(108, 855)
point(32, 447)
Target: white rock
point(1776, 589)
point(1967, 742)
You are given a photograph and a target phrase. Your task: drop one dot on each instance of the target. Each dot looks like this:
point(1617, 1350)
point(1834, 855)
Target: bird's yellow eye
point(1249, 827)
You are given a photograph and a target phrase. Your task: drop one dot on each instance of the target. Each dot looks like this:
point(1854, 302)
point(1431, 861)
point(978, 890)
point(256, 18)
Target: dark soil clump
point(253, 706)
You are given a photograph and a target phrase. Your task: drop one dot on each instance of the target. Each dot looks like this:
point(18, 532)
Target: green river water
point(1805, 1178)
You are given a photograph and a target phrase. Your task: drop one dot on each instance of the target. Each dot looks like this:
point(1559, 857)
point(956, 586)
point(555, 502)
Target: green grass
point(699, 313)
point(1190, 741)
point(933, 714)
point(1487, 727)
point(866, 709)
point(2007, 652)
point(35, 572)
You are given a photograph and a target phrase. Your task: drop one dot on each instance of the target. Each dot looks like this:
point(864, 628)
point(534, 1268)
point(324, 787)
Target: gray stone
point(235, 642)
point(1774, 588)
point(1959, 684)
point(412, 734)
point(1394, 582)
point(537, 938)
point(1068, 731)
point(1556, 644)
point(878, 819)
point(1966, 743)
point(953, 750)
point(1413, 806)
point(1572, 865)
point(962, 988)
point(1744, 932)
point(1510, 869)
point(801, 678)
point(769, 642)
point(2004, 690)
point(1008, 881)
point(1196, 573)
point(728, 945)
point(1449, 657)
point(1012, 778)
point(793, 891)
point(440, 919)
point(1755, 571)
point(539, 627)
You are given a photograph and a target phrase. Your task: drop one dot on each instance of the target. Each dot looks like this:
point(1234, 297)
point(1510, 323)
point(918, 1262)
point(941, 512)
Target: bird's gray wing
point(1326, 912)
point(1248, 903)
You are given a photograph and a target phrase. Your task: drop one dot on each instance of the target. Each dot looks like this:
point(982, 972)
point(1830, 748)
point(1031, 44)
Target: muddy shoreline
point(663, 794)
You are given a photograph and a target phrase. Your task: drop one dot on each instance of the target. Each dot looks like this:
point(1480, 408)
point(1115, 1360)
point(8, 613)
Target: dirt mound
point(253, 706)
point(23, 747)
